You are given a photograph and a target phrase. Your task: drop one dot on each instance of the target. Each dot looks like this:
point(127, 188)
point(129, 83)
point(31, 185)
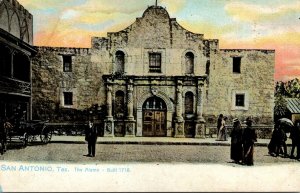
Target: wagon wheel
point(46, 134)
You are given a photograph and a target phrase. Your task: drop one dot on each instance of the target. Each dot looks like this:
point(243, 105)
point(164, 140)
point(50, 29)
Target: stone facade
point(16, 52)
point(156, 78)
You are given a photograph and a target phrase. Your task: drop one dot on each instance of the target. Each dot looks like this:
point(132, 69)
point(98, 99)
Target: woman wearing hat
point(222, 135)
point(236, 149)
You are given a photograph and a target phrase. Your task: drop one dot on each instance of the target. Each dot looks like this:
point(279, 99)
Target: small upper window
point(68, 98)
point(240, 100)
point(237, 64)
point(67, 62)
point(155, 62)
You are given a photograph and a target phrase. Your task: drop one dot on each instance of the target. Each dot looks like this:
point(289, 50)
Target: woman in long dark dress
point(236, 149)
point(249, 138)
point(219, 124)
point(273, 145)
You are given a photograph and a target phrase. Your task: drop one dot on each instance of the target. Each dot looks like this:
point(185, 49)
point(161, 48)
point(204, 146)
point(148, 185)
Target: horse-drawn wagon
point(27, 131)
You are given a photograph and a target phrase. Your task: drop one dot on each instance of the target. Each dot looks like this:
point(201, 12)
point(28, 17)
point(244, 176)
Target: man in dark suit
point(91, 137)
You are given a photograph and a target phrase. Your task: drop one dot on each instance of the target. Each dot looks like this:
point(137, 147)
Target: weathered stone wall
point(16, 20)
point(49, 81)
point(155, 32)
point(256, 80)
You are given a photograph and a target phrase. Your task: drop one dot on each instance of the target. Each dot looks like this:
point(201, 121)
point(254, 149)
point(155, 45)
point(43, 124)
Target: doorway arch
point(154, 117)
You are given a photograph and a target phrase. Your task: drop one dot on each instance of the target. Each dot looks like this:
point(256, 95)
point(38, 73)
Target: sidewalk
point(152, 141)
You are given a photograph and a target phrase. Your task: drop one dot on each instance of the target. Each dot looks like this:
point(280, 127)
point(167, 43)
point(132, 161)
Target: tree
point(280, 108)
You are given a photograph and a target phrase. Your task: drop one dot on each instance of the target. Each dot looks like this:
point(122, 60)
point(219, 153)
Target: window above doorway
point(155, 62)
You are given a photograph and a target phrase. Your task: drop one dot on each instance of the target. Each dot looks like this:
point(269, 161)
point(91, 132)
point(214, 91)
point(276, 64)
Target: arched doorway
point(154, 118)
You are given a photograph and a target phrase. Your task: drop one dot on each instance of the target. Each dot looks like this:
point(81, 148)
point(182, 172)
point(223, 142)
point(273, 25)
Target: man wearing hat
point(91, 137)
point(236, 148)
point(249, 138)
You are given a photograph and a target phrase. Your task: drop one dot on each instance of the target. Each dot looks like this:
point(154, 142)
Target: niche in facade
point(120, 62)
point(189, 63)
point(189, 103)
point(119, 105)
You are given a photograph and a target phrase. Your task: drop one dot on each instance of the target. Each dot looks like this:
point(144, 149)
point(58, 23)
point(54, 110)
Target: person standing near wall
point(294, 135)
point(249, 137)
point(236, 148)
point(219, 124)
point(222, 136)
point(6, 126)
point(91, 135)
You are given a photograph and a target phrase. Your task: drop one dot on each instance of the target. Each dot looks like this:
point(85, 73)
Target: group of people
point(242, 142)
point(278, 145)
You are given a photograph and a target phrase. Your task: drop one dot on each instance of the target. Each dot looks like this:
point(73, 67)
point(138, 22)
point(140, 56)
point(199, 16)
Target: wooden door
point(154, 124)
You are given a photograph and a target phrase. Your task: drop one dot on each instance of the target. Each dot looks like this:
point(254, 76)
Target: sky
point(238, 24)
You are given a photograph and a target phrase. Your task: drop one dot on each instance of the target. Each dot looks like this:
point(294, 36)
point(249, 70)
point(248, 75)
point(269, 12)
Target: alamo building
point(154, 79)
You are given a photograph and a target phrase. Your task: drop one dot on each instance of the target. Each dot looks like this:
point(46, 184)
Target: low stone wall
point(73, 129)
point(263, 131)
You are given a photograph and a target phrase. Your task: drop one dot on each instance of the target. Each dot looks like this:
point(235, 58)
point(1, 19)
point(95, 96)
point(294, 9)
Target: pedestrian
point(219, 123)
point(236, 149)
point(272, 146)
point(249, 137)
point(6, 126)
point(281, 142)
point(294, 135)
point(222, 136)
point(91, 137)
point(2, 131)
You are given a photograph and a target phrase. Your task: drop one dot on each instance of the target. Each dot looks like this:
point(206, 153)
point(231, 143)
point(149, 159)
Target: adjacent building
point(16, 52)
point(155, 79)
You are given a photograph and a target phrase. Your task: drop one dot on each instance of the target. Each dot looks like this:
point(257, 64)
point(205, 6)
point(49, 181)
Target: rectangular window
point(155, 62)
point(68, 98)
point(67, 62)
point(240, 100)
point(237, 64)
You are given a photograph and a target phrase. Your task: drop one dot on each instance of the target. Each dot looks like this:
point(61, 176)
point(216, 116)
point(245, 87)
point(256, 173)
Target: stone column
point(200, 122)
point(130, 122)
point(179, 121)
point(13, 53)
point(109, 121)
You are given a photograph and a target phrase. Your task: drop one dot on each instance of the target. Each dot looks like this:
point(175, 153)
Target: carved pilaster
point(179, 121)
point(130, 128)
point(200, 122)
point(130, 101)
point(109, 122)
point(109, 101)
point(200, 100)
point(109, 128)
point(130, 122)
